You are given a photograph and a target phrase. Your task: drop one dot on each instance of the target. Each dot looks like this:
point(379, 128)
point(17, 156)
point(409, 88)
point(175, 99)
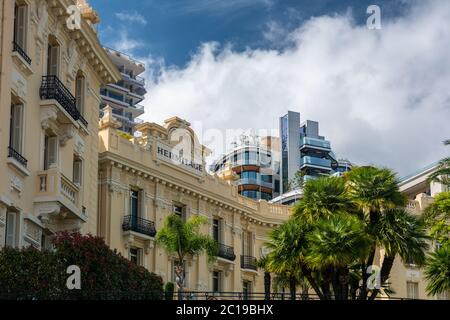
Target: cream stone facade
point(164, 180)
point(51, 73)
point(408, 279)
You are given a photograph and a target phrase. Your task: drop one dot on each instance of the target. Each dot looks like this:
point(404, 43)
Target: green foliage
point(184, 238)
point(33, 274)
point(442, 174)
point(336, 229)
point(169, 290)
point(437, 270)
point(337, 242)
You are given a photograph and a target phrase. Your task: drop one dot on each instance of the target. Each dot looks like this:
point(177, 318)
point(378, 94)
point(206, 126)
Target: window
point(16, 126)
point(216, 278)
point(46, 242)
point(50, 152)
point(247, 243)
point(135, 256)
point(412, 290)
point(134, 204)
point(11, 229)
point(246, 289)
point(179, 210)
point(77, 170)
point(79, 92)
point(53, 58)
point(20, 25)
point(216, 229)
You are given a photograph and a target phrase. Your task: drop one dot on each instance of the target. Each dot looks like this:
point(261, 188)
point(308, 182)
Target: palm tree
point(287, 247)
point(336, 244)
point(262, 263)
point(437, 270)
point(442, 174)
point(322, 198)
point(183, 238)
point(372, 191)
point(437, 217)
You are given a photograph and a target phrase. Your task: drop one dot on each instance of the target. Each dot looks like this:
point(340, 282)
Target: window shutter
point(11, 229)
point(77, 172)
point(16, 130)
point(21, 24)
point(52, 151)
point(79, 94)
point(53, 53)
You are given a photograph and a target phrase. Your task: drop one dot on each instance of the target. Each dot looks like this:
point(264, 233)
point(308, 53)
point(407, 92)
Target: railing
point(226, 252)
point(53, 88)
point(53, 183)
point(233, 295)
point(248, 262)
point(315, 161)
point(69, 190)
point(139, 225)
point(307, 141)
point(16, 155)
point(21, 52)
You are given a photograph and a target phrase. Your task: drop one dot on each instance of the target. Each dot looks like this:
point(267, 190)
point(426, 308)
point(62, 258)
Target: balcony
point(53, 89)
point(59, 195)
point(17, 156)
point(139, 225)
point(317, 162)
point(314, 142)
point(248, 262)
point(251, 181)
point(21, 52)
point(226, 252)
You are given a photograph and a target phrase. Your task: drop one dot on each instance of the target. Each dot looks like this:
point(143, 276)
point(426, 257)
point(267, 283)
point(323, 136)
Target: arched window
point(79, 92)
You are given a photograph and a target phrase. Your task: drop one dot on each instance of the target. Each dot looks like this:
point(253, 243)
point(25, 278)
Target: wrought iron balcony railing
point(248, 262)
point(139, 225)
point(21, 52)
point(226, 252)
point(16, 155)
point(53, 88)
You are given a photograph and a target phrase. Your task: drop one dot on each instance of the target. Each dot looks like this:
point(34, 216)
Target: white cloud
point(125, 43)
point(132, 17)
point(381, 96)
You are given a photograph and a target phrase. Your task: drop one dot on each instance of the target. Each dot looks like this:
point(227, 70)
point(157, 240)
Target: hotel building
point(256, 165)
point(147, 178)
point(51, 72)
point(124, 96)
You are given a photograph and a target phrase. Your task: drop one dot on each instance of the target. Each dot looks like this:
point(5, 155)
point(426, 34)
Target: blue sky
point(381, 96)
point(174, 29)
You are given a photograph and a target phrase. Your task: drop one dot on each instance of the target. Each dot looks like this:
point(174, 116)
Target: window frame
point(22, 43)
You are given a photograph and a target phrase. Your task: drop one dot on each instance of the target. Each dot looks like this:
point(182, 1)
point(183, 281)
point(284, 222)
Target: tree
point(372, 192)
point(347, 220)
point(287, 247)
point(437, 269)
point(182, 239)
point(442, 174)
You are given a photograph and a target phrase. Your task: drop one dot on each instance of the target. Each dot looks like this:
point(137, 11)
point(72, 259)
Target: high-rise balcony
point(315, 143)
point(313, 161)
point(139, 225)
point(53, 89)
point(248, 262)
point(226, 252)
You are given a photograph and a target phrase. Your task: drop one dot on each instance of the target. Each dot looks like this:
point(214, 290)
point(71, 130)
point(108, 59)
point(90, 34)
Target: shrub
point(168, 291)
point(105, 274)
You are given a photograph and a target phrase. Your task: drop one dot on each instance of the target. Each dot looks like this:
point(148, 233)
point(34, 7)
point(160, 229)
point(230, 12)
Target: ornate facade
point(52, 67)
point(143, 180)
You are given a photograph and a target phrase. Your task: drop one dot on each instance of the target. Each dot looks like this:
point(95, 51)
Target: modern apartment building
point(50, 76)
point(147, 178)
point(124, 96)
point(255, 161)
point(302, 148)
